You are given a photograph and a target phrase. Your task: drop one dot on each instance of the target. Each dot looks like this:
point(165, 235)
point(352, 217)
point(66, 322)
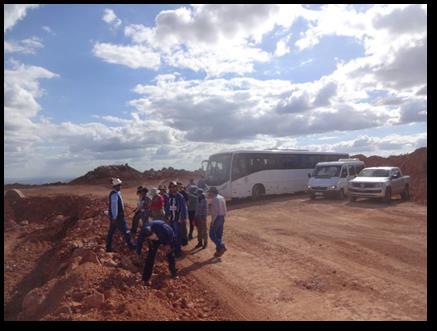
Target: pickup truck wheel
point(340, 195)
point(387, 197)
point(406, 194)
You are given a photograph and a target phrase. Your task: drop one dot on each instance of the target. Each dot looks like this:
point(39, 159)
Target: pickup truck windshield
point(327, 171)
point(374, 173)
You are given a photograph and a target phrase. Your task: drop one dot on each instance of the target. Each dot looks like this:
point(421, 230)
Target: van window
point(358, 168)
point(343, 172)
point(351, 169)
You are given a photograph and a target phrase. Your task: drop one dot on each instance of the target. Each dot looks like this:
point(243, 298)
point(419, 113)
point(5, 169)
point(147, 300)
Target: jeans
point(216, 232)
point(121, 225)
point(150, 261)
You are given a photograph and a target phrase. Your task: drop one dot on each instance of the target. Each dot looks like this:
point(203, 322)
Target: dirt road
point(295, 259)
point(290, 258)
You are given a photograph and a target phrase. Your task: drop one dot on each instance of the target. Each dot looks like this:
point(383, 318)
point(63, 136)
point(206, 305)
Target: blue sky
point(168, 85)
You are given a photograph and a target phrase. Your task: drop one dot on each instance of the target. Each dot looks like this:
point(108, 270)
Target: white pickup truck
point(379, 182)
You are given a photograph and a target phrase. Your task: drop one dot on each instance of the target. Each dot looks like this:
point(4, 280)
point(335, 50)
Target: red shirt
point(157, 202)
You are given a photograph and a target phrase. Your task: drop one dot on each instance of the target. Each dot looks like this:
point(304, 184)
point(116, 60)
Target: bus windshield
point(217, 171)
point(327, 171)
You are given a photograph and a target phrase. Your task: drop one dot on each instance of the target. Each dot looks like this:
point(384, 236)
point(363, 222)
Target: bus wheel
point(258, 191)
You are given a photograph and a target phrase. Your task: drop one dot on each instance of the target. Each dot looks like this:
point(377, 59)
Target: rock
point(90, 256)
point(24, 223)
point(64, 309)
point(110, 293)
point(94, 300)
point(127, 264)
point(14, 195)
point(59, 220)
point(77, 296)
point(107, 262)
point(32, 301)
point(77, 244)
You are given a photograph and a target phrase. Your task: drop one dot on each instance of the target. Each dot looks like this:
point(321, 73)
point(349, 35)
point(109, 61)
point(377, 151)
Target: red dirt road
point(290, 258)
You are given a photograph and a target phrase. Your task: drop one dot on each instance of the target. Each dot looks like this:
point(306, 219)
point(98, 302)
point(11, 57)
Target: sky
point(168, 85)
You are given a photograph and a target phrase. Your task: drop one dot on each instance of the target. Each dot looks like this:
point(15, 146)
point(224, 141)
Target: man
point(176, 214)
point(183, 227)
point(143, 209)
point(201, 214)
point(159, 233)
point(218, 213)
point(163, 192)
point(157, 205)
point(202, 183)
point(192, 204)
point(116, 216)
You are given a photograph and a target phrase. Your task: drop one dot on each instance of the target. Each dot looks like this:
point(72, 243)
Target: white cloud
point(25, 46)
point(132, 56)
point(215, 39)
point(110, 18)
point(282, 47)
point(47, 29)
point(14, 13)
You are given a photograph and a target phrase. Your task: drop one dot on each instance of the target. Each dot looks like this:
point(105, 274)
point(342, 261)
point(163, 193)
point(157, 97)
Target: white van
point(331, 178)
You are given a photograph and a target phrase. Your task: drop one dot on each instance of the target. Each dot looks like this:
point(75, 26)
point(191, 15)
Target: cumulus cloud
point(110, 18)
point(215, 39)
point(25, 46)
point(132, 56)
point(14, 13)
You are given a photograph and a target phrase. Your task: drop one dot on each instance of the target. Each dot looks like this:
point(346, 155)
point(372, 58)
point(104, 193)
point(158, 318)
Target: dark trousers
point(121, 225)
point(144, 216)
point(184, 232)
point(191, 217)
point(176, 226)
point(150, 261)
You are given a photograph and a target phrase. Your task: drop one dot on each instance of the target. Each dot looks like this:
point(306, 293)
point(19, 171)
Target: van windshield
point(327, 171)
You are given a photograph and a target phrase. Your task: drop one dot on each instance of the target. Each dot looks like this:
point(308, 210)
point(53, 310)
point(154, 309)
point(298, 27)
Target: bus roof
point(280, 152)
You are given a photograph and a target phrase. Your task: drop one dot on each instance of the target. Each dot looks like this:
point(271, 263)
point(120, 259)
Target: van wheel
point(406, 194)
point(340, 195)
point(258, 191)
point(387, 197)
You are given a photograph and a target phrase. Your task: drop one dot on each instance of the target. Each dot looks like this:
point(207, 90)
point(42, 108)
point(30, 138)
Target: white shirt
point(218, 207)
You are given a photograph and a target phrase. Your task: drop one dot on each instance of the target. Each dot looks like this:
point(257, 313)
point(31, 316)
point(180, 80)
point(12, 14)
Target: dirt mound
point(18, 185)
point(103, 175)
point(56, 268)
point(131, 176)
point(14, 195)
point(413, 164)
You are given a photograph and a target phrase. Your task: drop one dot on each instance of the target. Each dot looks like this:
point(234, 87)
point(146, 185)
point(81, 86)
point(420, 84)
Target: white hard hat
point(116, 181)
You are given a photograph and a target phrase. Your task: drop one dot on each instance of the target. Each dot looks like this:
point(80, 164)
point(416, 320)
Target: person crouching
point(159, 234)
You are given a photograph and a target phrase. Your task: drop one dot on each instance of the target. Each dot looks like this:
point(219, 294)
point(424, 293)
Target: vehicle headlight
point(333, 187)
point(308, 187)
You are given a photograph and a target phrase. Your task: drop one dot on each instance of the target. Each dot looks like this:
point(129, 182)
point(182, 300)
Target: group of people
point(164, 216)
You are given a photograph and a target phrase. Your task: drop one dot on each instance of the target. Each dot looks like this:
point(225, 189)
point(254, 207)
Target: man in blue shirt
point(158, 233)
point(116, 216)
point(176, 214)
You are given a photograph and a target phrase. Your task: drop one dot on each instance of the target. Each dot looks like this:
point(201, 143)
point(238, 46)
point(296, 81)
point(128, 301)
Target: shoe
point(178, 254)
point(204, 246)
point(174, 274)
point(190, 237)
point(216, 254)
point(198, 245)
point(147, 282)
point(221, 251)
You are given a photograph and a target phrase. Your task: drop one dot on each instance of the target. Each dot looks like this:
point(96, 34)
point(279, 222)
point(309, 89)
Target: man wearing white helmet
point(116, 216)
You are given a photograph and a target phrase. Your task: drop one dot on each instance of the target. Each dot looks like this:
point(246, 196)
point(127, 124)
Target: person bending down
point(159, 234)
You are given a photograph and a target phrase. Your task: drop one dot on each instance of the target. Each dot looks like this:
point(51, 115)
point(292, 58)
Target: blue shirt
point(163, 231)
point(176, 207)
point(115, 196)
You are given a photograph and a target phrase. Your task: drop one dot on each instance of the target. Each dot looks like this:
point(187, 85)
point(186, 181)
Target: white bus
point(242, 174)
